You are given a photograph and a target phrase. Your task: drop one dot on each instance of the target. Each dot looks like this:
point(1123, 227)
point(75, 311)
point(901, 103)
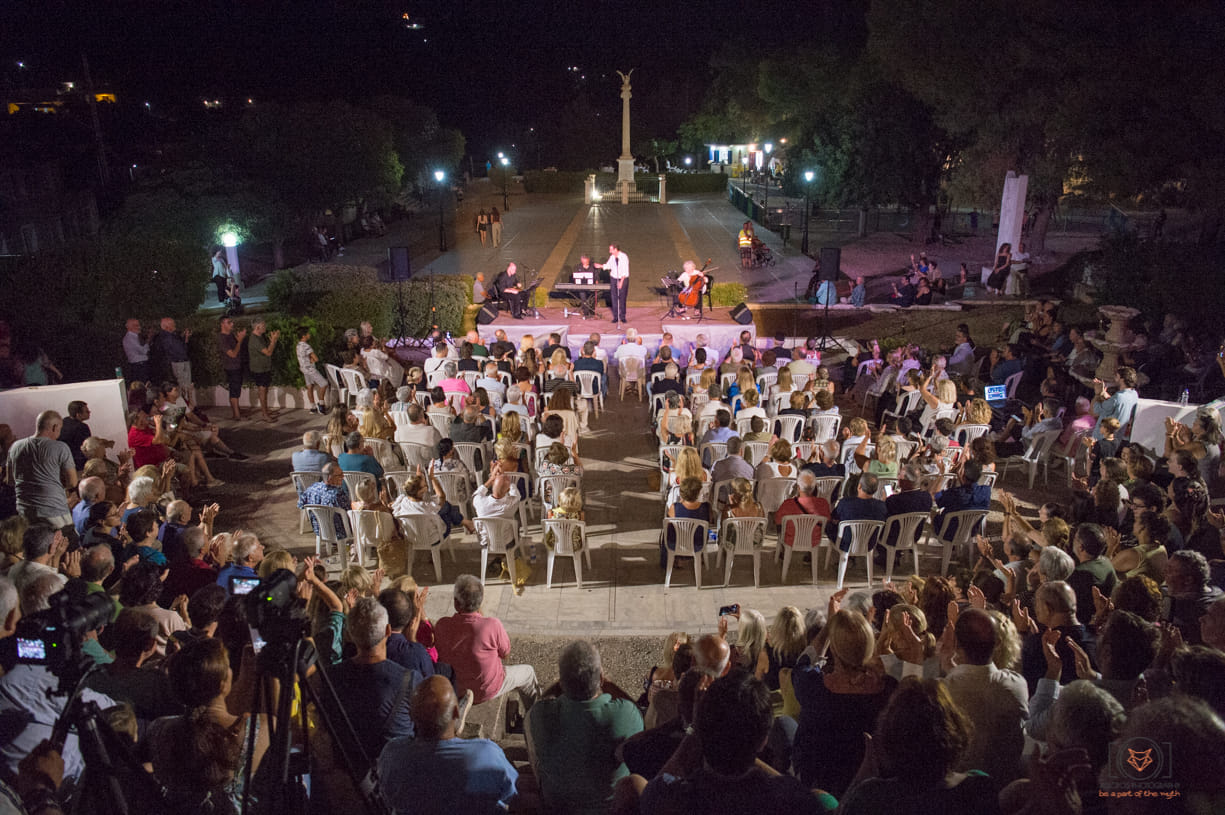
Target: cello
point(691, 295)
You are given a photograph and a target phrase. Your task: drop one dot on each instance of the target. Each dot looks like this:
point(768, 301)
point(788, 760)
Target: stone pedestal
point(625, 178)
point(663, 189)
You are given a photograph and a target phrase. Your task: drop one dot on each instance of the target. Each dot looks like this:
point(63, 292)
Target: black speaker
point(487, 314)
point(742, 315)
point(831, 259)
point(399, 266)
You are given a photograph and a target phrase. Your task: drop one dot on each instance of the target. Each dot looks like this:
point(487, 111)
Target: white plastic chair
point(711, 452)
point(630, 374)
point(456, 400)
point(324, 518)
point(827, 486)
point(966, 433)
point(1010, 385)
point(806, 537)
point(685, 531)
point(798, 381)
point(470, 378)
point(458, 491)
point(370, 528)
point(396, 479)
point(886, 485)
point(766, 382)
point(1070, 455)
point(968, 522)
point(521, 481)
point(441, 422)
point(399, 418)
point(416, 453)
point(790, 427)
point(879, 388)
point(755, 452)
point(741, 536)
point(905, 449)
point(423, 399)
point(910, 401)
point(302, 480)
point(500, 536)
point(354, 382)
point(772, 492)
point(1036, 453)
point(424, 533)
point(824, 427)
point(673, 452)
point(563, 530)
point(862, 535)
point(744, 425)
point(468, 453)
point(589, 388)
point(727, 380)
point(550, 488)
point(353, 478)
point(904, 529)
point(384, 452)
point(337, 383)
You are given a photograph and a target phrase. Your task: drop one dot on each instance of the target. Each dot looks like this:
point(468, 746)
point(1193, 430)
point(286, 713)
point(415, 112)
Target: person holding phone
point(247, 554)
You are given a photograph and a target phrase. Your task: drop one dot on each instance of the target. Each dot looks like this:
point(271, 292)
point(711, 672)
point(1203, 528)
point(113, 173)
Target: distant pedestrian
point(221, 273)
point(495, 224)
point(482, 226)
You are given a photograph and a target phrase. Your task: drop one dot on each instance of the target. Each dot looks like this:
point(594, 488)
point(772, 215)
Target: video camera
point(274, 611)
point(54, 637)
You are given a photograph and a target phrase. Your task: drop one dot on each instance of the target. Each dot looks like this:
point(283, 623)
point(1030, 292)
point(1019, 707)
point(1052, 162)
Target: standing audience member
point(40, 467)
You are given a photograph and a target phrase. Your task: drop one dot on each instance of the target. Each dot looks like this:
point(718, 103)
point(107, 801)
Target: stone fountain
point(1118, 338)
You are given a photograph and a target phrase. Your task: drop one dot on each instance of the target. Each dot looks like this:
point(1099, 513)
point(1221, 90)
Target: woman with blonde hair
point(903, 639)
point(976, 411)
point(688, 464)
point(784, 642)
point(275, 561)
point(561, 405)
point(340, 424)
point(838, 705)
point(375, 423)
point(944, 398)
point(560, 366)
point(785, 383)
point(883, 460)
point(750, 639)
point(778, 465)
point(709, 377)
point(1007, 653)
point(662, 677)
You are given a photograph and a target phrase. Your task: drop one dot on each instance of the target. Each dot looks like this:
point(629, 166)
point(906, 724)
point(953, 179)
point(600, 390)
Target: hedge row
point(572, 182)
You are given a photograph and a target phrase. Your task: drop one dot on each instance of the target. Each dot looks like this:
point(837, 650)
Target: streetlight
point(439, 175)
point(229, 240)
point(808, 176)
point(765, 201)
point(505, 180)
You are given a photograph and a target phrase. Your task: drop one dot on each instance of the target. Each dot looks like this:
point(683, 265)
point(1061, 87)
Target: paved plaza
point(623, 592)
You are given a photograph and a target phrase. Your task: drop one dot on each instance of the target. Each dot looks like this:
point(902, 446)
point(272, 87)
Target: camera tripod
point(282, 664)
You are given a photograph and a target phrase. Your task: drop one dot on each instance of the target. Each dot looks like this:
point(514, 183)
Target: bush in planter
point(728, 294)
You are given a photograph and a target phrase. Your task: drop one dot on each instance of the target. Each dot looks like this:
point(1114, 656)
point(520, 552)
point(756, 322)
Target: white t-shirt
point(304, 355)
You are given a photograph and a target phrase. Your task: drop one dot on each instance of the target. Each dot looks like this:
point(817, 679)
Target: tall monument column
point(625, 164)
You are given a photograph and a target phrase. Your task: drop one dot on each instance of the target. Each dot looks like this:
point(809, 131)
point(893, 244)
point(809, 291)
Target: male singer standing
point(618, 266)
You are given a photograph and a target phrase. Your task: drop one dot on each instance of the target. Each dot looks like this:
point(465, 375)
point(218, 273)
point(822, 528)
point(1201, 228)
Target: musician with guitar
point(692, 281)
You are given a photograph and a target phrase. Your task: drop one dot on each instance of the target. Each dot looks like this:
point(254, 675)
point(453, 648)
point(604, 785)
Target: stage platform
point(719, 330)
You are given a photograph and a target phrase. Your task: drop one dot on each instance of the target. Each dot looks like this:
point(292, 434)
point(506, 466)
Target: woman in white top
point(944, 398)
point(778, 465)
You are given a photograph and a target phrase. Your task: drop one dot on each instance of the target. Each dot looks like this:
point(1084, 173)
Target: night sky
point(492, 69)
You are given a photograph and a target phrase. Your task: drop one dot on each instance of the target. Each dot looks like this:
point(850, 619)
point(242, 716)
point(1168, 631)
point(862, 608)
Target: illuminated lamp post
point(505, 181)
point(229, 240)
point(808, 176)
point(439, 175)
point(765, 201)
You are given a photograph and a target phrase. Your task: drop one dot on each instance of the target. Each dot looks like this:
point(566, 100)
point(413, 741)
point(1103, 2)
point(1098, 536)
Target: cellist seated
point(692, 282)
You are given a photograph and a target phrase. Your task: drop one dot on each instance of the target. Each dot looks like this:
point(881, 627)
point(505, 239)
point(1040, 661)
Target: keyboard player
point(587, 274)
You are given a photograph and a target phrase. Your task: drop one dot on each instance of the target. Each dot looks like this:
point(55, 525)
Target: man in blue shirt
point(404, 616)
point(720, 429)
point(969, 494)
point(588, 362)
point(863, 507)
point(91, 490)
point(247, 555)
point(911, 497)
point(437, 772)
point(1121, 406)
point(357, 458)
point(1009, 365)
point(330, 492)
point(310, 459)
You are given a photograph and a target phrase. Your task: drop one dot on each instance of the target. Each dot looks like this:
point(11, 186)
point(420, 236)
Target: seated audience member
point(404, 615)
point(1093, 569)
point(358, 457)
point(436, 772)
point(1054, 609)
point(921, 739)
point(806, 502)
point(720, 771)
point(245, 557)
point(189, 571)
point(475, 645)
point(689, 505)
point(373, 690)
point(968, 494)
point(863, 506)
point(646, 753)
point(199, 756)
point(330, 492)
point(1188, 593)
point(310, 459)
point(133, 639)
point(824, 461)
point(577, 735)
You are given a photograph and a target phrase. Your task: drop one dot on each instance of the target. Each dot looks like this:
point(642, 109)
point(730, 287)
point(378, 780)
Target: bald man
point(439, 772)
point(712, 658)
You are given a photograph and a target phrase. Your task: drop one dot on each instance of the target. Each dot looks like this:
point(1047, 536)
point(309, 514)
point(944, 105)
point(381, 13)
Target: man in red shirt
point(147, 440)
point(807, 502)
point(474, 646)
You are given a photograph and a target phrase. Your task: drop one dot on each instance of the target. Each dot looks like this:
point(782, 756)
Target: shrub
point(728, 294)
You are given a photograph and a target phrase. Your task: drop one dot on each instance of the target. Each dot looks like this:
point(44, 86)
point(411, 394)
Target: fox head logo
point(1140, 760)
